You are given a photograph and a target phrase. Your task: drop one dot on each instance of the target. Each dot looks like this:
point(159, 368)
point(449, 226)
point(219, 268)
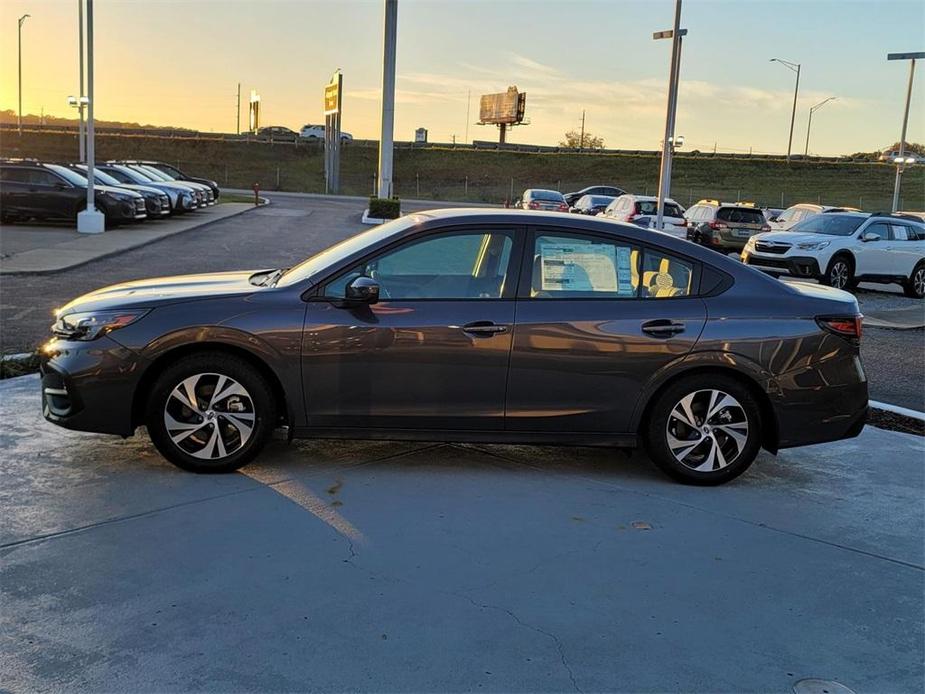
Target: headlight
point(90, 325)
point(813, 245)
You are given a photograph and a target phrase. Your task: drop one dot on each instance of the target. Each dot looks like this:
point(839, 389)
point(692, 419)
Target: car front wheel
point(210, 412)
point(704, 429)
point(840, 274)
point(915, 285)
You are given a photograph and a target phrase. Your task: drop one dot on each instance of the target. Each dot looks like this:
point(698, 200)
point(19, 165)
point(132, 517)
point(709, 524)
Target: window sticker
point(585, 267)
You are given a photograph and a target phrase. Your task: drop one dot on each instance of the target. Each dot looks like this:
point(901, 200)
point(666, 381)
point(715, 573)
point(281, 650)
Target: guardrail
point(183, 134)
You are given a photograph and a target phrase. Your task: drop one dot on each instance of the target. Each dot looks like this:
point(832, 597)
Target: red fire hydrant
point(256, 193)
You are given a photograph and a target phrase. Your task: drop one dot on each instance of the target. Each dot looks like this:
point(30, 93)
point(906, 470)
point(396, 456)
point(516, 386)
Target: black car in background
point(179, 175)
point(612, 191)
point(157, 203)
point(469, 325)
point(33, 190)
point(591, 204)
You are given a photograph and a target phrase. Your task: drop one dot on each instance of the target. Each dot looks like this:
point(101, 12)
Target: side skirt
point(460, 436)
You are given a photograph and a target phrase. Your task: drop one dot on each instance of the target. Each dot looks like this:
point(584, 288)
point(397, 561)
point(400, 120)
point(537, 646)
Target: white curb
point(896, 409)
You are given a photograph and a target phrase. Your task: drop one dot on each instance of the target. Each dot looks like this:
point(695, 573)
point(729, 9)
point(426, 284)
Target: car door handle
point(484, 328)
point(662, 328)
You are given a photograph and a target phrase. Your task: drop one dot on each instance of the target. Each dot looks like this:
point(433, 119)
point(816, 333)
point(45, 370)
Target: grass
point(11, 368)
point(490, 176)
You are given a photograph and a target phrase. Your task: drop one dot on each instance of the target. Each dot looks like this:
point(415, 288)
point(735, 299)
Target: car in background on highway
point(157, 202)
point(182, 197)
point(33, 190)
point(724, 226)
point(795, 214)
point(542, 199)
point(474, 325)
point(841, 249)
point(591, 204)
point(642, 210)
point(178, 175)
point(206, 197)
point(278, 132)
point(316, 132)
point(612, 191)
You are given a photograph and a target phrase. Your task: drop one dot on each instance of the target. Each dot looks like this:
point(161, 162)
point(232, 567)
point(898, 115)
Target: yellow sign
point(331, 100)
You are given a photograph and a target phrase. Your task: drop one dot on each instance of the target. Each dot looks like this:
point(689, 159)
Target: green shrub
point(384, 208)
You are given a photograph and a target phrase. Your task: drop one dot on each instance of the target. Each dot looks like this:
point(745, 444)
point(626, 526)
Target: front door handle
point(484, 328)
point(662, 328)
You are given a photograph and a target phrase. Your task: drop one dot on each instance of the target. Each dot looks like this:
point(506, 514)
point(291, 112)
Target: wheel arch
point(157, 366)
point(770, 433)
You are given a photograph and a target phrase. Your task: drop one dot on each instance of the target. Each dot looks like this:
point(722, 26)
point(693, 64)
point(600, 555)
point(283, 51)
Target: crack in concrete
point(531, 627)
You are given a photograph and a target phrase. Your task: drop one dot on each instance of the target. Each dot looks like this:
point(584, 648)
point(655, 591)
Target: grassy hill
point(473, 175)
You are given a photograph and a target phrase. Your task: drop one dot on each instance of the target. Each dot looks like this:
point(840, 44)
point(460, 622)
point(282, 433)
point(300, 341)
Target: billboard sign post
point(504, 109)
point(253, 112)
point(333, 101)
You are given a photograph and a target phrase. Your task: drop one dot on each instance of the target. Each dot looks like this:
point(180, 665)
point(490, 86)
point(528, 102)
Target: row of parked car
point(124, 191)
point(839, 246)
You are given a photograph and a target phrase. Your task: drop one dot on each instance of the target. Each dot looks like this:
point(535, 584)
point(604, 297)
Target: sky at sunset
point(175, 62)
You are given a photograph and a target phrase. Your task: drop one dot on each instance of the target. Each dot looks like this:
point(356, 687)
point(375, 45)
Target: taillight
point(563, 207)
point(533, 205)
point(718, 225)
point(846, 326)
point(766, 228)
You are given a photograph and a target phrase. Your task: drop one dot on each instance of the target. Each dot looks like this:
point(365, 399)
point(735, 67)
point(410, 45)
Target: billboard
point(503, 108)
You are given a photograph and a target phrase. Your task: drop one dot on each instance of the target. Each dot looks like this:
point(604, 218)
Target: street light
point(809, 125)
point(19, 36)
point(795, 67)
point(901, 161)
point(664, 174)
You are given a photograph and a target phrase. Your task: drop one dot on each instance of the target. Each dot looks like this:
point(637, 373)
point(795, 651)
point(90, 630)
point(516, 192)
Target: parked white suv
point(795, 214)
point(316, 132)
point(841, 249)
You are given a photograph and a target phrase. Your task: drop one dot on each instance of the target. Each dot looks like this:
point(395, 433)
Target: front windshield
point(70, 175)
point(101, 177)
point(346, 248)
point(154, 173)
point(136, 176)
point(829, 224)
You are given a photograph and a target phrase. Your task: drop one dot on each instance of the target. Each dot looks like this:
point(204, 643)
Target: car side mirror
point(362, 290)
point(774, 219)
point(870, 236)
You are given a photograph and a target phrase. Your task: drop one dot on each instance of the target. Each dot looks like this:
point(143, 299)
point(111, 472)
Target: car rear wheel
point(704, 429)
point(915, 285)
point(210, 412)
point(840, 273)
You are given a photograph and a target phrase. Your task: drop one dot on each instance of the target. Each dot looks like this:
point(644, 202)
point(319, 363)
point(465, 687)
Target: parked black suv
point(32, 190)
point(179, 175)
point(612, 191)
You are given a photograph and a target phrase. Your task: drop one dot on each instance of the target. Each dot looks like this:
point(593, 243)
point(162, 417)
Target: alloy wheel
point(707, 430)
point(209, 416)
point(838, 275)
point(918, 281)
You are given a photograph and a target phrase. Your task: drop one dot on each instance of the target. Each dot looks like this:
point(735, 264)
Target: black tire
point(656, 430)
point(840, 273)
point(914, 287)
point(258, 406)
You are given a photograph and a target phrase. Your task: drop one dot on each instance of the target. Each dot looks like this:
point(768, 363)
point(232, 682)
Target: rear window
point(600, 199)
point(651, 207)
point(546, 195)
point(740, 215)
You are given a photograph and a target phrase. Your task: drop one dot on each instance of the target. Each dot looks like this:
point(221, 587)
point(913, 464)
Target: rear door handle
point(662, 328)
point(484, 328)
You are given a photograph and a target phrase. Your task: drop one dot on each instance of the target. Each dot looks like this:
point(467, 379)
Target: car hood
point(138, 188)
point(113, 189)
point(164, 290)
point(794, 237)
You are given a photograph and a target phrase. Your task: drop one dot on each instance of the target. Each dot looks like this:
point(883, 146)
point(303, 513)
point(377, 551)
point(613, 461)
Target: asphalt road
point(293, 227)
point(397, 567)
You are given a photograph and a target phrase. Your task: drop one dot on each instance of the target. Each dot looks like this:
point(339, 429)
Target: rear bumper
point(798, 266)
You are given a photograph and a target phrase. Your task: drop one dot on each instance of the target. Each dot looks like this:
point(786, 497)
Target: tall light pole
point(81, 129)
point(809, 125)
point(90, 220)
point(901, 159)
point(19, 30)
point(388, 98)
point(795, 67)
point(664, 176)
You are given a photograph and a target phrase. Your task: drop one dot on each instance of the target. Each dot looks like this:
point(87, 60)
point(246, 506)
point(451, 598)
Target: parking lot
point(414, 567)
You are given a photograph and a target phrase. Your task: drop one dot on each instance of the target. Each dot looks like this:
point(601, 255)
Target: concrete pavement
point(367, 566)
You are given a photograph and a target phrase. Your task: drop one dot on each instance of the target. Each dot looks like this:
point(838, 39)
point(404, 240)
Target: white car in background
point(642, 210)
point(316, 132)
point(841, 249)
point(797, 213)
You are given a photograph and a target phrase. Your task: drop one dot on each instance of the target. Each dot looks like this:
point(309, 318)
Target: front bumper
point(89, 386)
point(797, 266)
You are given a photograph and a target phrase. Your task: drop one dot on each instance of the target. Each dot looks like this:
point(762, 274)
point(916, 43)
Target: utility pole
point(664, 177)
point(21, 20)
point(468, 104)
point(809, 125)
point(238, 125)
point(81, 128)
point(91, 220)
point(388, 98)
point(794, 67)
point(581, 139)
point(900, 161)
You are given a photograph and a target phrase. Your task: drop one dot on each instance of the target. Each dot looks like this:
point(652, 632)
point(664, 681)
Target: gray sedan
point(469, 325)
